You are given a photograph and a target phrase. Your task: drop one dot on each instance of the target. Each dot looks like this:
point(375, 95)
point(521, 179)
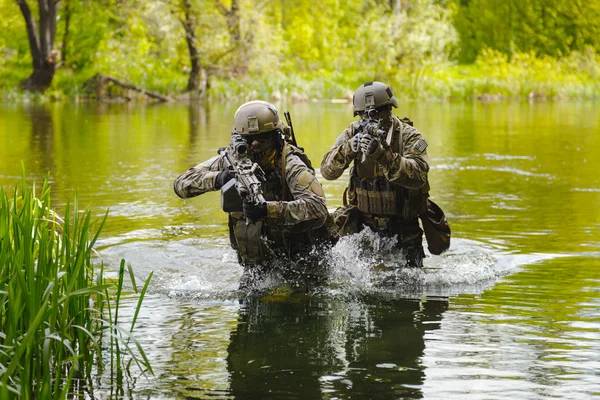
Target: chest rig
point(375, 196)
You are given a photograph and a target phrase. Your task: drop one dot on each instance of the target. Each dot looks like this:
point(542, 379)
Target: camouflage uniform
point(297, 217)
point(386, 198)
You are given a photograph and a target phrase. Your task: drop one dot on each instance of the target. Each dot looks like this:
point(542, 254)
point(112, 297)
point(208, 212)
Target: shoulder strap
point(284, 188)
point(391, 134)
point(401, 140)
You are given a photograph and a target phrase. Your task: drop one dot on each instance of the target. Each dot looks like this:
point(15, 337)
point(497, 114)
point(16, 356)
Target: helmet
point(373, 95)
point(255, 117)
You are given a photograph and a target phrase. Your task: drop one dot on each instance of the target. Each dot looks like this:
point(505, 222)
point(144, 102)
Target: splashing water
point(363, 262)
point(367, 261)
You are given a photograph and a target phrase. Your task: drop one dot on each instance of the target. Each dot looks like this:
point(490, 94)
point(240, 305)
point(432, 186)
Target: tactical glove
point(371, 147)
point(352, 146)
point(355, 143)
point(254, 212)
point(223, 177)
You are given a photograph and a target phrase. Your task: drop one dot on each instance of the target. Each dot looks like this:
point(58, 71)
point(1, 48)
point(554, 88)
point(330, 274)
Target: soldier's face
point(260, 143)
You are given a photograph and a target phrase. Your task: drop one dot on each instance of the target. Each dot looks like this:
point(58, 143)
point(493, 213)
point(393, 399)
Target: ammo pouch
point(377, 196)
point(436, 228)
point(231, 200)
point(248, 241)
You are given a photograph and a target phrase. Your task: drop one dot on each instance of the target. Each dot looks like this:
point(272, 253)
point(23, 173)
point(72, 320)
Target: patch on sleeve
point(420, 145)
point(308, 181)
point(317, 189)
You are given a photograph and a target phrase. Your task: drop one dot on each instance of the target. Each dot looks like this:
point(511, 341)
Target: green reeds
point(54, 309)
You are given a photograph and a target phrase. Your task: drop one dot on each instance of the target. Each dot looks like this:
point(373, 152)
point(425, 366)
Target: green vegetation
point(238, 49)
point(554, 28)
point(57, 311)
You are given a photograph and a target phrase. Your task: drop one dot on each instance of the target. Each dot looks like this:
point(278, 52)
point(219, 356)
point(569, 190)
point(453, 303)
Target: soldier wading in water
point(388, 189)
point(280, 214)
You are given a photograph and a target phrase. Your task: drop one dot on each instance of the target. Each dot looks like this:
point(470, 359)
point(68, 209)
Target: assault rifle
point(371, 126)
point(247, 184)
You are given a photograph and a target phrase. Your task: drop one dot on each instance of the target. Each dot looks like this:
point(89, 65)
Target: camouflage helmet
point(256, 117)
point(373, 95)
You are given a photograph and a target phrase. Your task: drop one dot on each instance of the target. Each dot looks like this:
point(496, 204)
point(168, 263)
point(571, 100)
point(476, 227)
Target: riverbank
point(493, 77)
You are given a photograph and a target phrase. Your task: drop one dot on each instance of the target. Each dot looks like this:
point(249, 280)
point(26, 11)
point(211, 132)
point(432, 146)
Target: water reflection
point(367, 347)
point(42, 134)
point(199, 336)
point(518, 181)
point(198, 120)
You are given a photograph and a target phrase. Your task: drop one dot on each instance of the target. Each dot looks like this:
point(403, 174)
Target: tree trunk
point(41, 77)
point(41, 42)
point(65, 41)
point(233, 19)
point(99, 83)
point(189, 25)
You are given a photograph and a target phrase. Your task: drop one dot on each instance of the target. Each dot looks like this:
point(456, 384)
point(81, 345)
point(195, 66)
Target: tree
point(41, 42)
point(188, 20)
point(234, 26)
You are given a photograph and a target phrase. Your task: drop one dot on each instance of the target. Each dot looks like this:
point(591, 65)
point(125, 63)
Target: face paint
point(263, 148)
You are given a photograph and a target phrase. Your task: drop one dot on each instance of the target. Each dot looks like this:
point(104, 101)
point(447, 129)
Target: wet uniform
point(386, 198)
point(297, 217)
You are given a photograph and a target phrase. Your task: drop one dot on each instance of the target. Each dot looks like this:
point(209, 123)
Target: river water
point(512, 310)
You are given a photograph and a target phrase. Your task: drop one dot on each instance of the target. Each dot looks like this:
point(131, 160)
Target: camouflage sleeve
point(409, 169)
point(308, 209)
point(336, 160)
point(199, 179)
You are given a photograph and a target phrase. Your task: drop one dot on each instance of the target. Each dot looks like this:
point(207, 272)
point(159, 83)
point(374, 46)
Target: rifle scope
point(238, 144)
point(371, 113)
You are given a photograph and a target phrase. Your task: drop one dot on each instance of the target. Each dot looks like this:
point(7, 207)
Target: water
point(510, 311)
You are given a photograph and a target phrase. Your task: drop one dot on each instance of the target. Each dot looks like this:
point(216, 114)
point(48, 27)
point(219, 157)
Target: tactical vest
point(374, 196)
point(258, 242)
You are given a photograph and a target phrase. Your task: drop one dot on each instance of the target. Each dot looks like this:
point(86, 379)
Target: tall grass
point(55, 306)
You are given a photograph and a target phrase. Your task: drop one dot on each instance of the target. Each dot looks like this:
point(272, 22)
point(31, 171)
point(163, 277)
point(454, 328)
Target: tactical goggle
point(261, 137)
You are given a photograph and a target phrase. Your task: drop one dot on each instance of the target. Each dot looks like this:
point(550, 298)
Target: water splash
point(366, 261)
point(207, 269)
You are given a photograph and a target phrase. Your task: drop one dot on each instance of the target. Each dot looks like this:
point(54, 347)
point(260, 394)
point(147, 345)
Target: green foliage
point(139, 49)
point(493, 77)
point(546, 27)
point(15, 60)
point(315, 49)
point(52, 314)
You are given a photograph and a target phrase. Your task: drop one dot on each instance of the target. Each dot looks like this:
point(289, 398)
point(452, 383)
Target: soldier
point(388, 188)
point(294, 217)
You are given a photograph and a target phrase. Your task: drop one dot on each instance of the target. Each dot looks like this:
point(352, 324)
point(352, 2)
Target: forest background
point(300, 49)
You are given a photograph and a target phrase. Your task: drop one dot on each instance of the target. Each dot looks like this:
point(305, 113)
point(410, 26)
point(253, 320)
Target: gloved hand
point(371, 147)
point(353, 145)
point(223, 177)
point(355, 142)
point(254, 212)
